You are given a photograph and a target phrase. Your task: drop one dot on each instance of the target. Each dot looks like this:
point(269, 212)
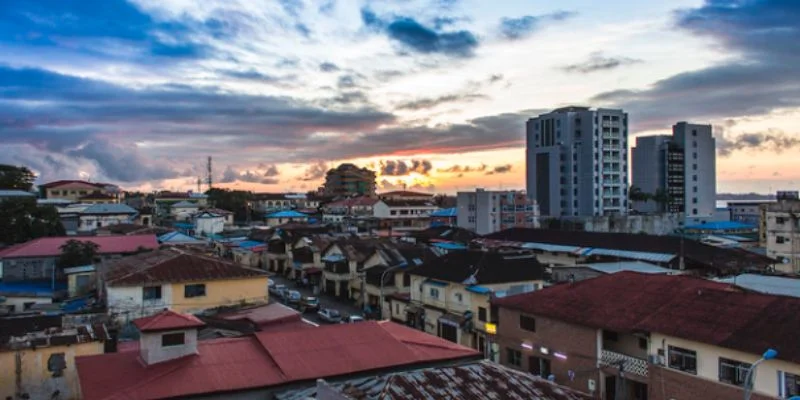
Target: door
point(448, 332)
point(611, 388)
point(82, 283)
point(539, 366)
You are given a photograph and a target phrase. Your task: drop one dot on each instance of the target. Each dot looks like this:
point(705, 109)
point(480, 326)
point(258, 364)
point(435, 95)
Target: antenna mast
point(209, 180)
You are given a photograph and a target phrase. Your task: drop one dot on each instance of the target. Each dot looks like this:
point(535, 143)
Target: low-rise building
point(285, 217)
point(16, 194)
point(208, 224)
point(272, 202)
point(177, 280)
point(98, 197)
point(174, 364)
point(41, 364)
point(74, 190)
point(746, 212)
point(450, 295)
point(654, 336)
point(400, 214)
point(163, 201)
point(485, 211)
point(445, 216)
point(405, 195)
point(782, 233)
point(183, 210)
point(351, 208)
point(101, 214)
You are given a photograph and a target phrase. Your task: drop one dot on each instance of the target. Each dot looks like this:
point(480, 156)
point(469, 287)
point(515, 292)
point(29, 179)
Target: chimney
point(167, 336)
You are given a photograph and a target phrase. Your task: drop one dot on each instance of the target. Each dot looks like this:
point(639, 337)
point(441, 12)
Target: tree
point(635, 194)
point(75, 253)
point(23, 220)
point(662, 199)
point(12, 177)
point(236, 201)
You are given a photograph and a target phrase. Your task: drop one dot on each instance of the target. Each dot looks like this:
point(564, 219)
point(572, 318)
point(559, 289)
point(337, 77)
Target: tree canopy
point(236, 201)
point(13, 177)
point(75, 253)
point(23, 220)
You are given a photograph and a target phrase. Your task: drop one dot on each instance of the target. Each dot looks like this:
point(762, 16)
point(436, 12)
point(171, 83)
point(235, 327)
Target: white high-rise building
point(577, 162)
point(682, 166)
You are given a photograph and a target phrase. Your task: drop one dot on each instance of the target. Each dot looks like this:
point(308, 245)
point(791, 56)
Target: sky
point(432, 94)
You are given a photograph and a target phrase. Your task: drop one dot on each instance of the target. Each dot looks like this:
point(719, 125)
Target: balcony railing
point(630, 365)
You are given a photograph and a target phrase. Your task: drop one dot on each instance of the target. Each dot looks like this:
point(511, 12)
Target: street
point(344, 307)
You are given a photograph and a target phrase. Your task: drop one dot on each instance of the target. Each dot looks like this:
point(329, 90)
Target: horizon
point(431, 94)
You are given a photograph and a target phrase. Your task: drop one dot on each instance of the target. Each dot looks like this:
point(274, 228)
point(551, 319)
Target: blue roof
point(635, 266)
point(450, 246)
point(183, 225)
point(478, 289)
point(287, 214)
point(38, 289)
point(177, 237)
point(334, 258)
point(720, 225)
point(553, 248)
point(250, 243)
point(635, 255)
point(109, 209)
point(435, 283)
point(445, 212)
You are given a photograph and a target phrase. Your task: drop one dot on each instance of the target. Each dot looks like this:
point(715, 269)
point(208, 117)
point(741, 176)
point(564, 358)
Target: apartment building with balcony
point(651, 336)
point(485, 212)
point(781, 231)
point(450, 296)
point(577, 161)
point(349, 180)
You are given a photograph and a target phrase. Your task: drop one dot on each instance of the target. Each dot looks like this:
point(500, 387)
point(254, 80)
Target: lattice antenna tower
point(209, 174)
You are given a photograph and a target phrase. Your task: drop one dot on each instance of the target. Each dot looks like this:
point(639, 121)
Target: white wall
point(152, 351)
point(128, 301)
point(19, 302)
point(209, 225)
point(89, 222)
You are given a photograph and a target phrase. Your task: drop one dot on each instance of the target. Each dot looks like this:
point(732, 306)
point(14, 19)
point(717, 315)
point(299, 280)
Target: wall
point(89, 223)
point(209, 225)
point(127, 301)
point(37, 381)
point(19, 302)
point(660, 224)
point(23, 269)
point(708, 367)
point(220, 293)
point(668, 384)
point(578, 343)
point(153, 352)
point(72, 283)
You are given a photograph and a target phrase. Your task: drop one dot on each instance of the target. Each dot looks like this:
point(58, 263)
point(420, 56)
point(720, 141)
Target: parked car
point(309, 304)
point(270, 285)
point(352, 319)
point(293, 297)
point(277, 290)
point(330, 315)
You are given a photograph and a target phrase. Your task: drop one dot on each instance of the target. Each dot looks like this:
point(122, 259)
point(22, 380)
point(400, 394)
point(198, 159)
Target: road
point(344, 307)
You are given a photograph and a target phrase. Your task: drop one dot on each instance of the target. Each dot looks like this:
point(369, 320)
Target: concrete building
point(683, 166)
point(747, 212)
point(782, 225)
point(485, 211)
point(577, 161)
point(349, 180)
point(75, 190)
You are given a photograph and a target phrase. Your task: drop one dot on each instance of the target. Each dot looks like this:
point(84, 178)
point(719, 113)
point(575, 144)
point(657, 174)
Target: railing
point(628, 364)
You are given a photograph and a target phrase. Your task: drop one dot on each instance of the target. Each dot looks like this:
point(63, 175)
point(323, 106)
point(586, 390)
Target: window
point(780, 220)
point(397, 309)
point(527, 323)
point(780, 240)
point(481, 314)
point(172, 339)
point(694, 132)
point(643, 343)
point(514, 357)
point(539, 366)
point(459, 297)
point(683, 360)
point(151, 293)
point(733, 372)
point(790, 384)
point(57, 364)
point(196, 290)
point(434, 292)
point(610, 336)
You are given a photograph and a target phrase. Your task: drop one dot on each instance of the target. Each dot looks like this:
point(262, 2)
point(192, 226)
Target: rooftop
point(109, 209)
point(353, 202)
point(172, 266)
point(69, 182)
point(185, 204)
point(478, 380)
point(287, 214)
point(779, 285)
point(51, 246)
point(720, 226)
point(167, 320)
point(635, 266)
point(266, 359)
point(16, 193)
point(55, 336)
point(682, 306)
point(445, 212)
point(97, 196)
point(404, 193)
point(408, 203)
point(482, 268)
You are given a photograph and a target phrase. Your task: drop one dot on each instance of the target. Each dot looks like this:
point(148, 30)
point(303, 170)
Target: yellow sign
point(491, 328)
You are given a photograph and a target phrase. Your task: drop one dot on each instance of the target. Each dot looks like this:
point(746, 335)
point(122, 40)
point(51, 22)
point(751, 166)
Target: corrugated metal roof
point(481, 380)
point(287, 214)
point(103, 209)
point(167, 320)
point(553, 248)
point(450, 246)
point(51, 246)
point(479, 289)
point(177, 237)
point(445, 212)
point(635, 266)
point(185, 204)
point(16, 193)
point(766, 284)
point(720, 225)
point(635, 255)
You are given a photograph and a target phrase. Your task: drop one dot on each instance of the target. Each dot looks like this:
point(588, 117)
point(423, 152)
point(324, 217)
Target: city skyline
point(433, 95)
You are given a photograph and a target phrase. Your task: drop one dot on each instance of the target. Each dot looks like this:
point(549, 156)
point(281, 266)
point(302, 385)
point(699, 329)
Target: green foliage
point(75, 253)
point(12, 177)
point(236, 201)
point(22, 220)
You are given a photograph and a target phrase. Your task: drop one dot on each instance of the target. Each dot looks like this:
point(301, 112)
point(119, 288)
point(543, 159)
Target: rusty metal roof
point(482, 380)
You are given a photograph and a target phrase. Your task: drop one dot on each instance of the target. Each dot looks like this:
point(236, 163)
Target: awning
point(313, 270)
point(334, 258)
point(451, 320)
point(413, 309)
point(436, 283)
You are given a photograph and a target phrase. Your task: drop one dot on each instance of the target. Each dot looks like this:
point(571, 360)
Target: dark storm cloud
point(765, 34)
point(774, 140)
point(597, 62)
point(416, 37)
point(315, 171)
point(402, 168)
point(525, 26)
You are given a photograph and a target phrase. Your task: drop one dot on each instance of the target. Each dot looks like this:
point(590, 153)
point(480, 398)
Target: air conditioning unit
point(656, 359)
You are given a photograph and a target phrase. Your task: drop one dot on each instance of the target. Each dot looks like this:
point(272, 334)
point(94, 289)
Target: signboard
point(491, 328)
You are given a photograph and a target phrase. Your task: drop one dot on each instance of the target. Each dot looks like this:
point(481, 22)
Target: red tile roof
point(269, 314)
point(68, 182)
point(404, 193)
point(675, 305)
point(172, 265)
point(265, 359)
point(51, 246)
point(167, 320)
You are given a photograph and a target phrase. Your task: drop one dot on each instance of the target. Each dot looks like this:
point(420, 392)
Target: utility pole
point(209, 176)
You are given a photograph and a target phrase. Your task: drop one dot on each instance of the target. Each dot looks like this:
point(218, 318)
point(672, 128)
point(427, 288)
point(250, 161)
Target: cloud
point(386, 185)
point(597, 62)
point(316, 171)
point(426, 103)
point(328, 67)
point(269, 170)
point(774, 140)
point(496, 78)
point(253, 75)
point(763, 37)
point(500, 169)
point(122, 162)
point(461, 169)
point(525, 26)
point(402, 168)
point(346, 82)
point(327, 7)
point(414, 36)
point(291, 7)
point(230, 175)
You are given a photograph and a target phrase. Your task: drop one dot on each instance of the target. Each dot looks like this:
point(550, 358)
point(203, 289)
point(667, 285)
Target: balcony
point(627, 364)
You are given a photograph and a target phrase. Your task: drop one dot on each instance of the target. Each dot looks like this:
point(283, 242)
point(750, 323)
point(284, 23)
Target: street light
point(383, 276)
point(751, 372)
